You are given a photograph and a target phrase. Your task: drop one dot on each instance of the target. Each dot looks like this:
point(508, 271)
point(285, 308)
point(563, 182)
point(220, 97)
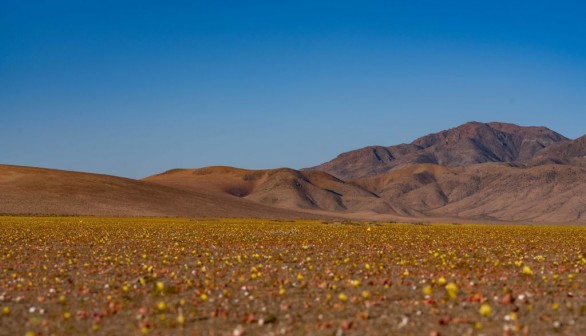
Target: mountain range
point(483, 172)
point(466, 145)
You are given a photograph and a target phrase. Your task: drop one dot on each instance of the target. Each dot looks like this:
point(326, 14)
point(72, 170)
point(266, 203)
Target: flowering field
point(242, 276)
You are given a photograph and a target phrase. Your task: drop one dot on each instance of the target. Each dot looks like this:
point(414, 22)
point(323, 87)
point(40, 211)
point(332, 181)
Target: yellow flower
point(427, 290)
point(452, 290)
point(160, 286)
point(441, 281)
point(485, 310)
point(180, 319)
point(342, 297)
point(527, 271)
point(162, 306)
point(365, 294)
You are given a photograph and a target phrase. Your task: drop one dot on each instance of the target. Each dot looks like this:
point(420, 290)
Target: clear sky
point(133, 88)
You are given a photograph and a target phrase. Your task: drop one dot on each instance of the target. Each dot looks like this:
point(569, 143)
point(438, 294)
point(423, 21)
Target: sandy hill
point(465, 145)
point(282, 188)
point(26, 190)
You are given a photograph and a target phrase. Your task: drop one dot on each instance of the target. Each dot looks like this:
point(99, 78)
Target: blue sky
point(132, 88)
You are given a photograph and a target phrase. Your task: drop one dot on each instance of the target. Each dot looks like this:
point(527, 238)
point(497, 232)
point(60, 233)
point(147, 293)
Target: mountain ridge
point(483, 172)
point(469, 143)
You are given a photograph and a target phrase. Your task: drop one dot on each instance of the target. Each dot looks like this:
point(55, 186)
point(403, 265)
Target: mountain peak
point(484, 133)
point(470, 143)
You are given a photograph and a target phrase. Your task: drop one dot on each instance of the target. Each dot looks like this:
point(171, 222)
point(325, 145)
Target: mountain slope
point(571, 152)
point(490, 191)
point(477, 171)
point(26, 190)
point(465, 145)
point(282, 188)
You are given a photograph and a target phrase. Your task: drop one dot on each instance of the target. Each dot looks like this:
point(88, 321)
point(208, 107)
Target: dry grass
point(227, 276)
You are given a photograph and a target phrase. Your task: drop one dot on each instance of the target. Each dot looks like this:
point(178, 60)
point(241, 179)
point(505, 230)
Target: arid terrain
point(304, 168)
point(468, 144)
point(479, 172)
point(320, 251)
point(141, 276)
point(39, 191)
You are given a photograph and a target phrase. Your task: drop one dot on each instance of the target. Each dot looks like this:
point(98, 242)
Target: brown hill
point(282, 188)
point(481, 172)
point(491, 191)
point(26, 190)
point(570, 152)
point(462, 146)
point(481, 192)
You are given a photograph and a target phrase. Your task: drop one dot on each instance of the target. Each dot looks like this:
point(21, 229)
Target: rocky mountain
point(462, 146)
point(490, 191)
point(571, 152)
point(546, 193)
point(485, 172)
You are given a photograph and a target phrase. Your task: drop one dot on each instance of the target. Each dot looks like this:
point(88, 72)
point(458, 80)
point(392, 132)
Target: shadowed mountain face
point(491, 191)
point(483, 172)
point(565, 152)
point(465, 145)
